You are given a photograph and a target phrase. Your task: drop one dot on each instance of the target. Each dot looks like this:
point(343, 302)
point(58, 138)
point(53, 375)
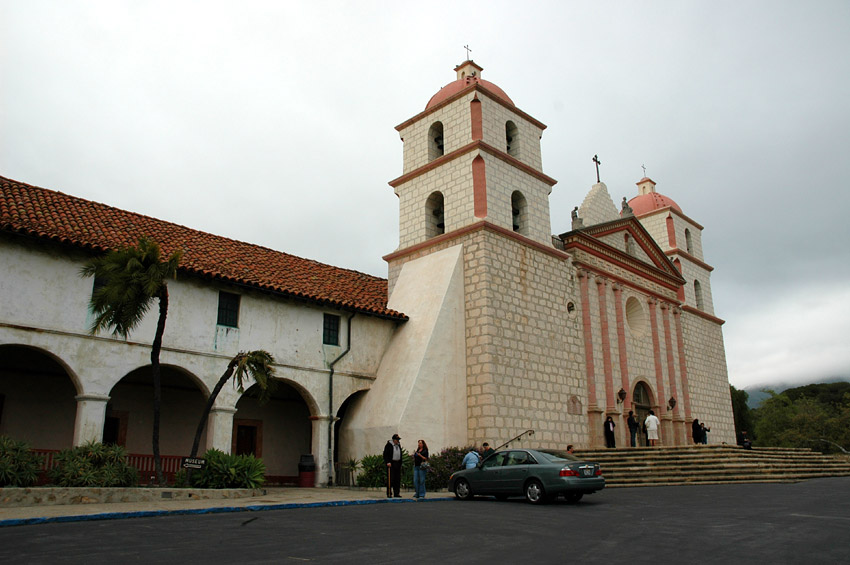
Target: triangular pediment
point(639, 250)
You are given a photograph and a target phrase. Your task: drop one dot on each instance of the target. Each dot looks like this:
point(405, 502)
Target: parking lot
point(782, 523)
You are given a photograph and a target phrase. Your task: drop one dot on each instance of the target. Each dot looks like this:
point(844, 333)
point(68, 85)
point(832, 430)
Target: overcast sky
point(273, 123)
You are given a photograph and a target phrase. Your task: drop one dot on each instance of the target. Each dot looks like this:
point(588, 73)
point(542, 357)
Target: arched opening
point(688, 243)
point(37, 403)
point(129, 412)
point(512, 139)
point(435, 222)
point(641, 404)
point(519, 213)
point(343, 471)
point(698, 295)
point(435, 141)
point(279, 431)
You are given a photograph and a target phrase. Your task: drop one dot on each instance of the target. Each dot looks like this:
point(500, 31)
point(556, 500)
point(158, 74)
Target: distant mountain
point(756, 396)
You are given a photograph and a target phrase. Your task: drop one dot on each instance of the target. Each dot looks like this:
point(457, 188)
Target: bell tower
point(471, 156)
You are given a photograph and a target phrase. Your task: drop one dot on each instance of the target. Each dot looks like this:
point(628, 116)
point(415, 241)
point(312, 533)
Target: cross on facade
point(598, 162)
point(468, 51)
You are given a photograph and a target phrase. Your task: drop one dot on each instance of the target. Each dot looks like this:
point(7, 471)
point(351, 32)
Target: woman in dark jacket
point(696, 431)
point(609, 432)
point(420, 468)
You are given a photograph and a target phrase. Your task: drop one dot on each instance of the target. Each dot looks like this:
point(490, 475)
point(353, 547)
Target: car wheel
point(462, 490)
point(534, 492)
point(573, 497)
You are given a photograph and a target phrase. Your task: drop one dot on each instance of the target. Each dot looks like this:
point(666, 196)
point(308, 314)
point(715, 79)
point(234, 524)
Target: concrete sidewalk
point(267, 499)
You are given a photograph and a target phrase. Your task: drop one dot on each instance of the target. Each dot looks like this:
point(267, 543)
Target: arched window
point(435, 223)
point(688, 243)
point(435, 141)
point(698, 293)
point(519, 213)
point(512, 139)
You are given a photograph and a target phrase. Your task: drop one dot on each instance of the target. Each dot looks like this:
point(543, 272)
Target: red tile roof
point(52, 215)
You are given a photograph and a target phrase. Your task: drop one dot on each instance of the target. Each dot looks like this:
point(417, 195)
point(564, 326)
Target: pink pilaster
point(656, 354)
point(621, 343)
point(602, 289)
point(671, 372)
point(588, 339)
point(683, 365)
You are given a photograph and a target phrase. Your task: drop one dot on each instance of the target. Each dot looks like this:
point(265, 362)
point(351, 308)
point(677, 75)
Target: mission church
point(486, 326)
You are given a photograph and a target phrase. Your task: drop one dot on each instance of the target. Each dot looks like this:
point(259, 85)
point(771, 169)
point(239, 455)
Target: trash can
point(307, 472)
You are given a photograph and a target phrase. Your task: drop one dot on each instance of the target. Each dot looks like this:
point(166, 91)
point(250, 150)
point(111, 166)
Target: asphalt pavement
point(804, 522)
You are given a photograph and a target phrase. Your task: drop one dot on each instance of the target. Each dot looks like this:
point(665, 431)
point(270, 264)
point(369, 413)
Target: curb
point(216, 510)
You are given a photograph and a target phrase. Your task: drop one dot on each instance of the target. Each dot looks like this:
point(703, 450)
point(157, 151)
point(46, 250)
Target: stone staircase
point(712, 464)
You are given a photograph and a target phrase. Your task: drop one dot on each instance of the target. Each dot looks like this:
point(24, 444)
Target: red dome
point(456, 86)
point(646, 203)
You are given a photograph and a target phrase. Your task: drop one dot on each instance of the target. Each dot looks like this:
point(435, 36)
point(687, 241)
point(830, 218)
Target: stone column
point(677, 438)
point(320, 446)
point(602, 290)
point(624, 366)
point(220, 429)
point(91, 413)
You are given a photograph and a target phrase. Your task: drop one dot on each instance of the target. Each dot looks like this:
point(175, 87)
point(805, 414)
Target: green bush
point(93, 465)
point(19, 467)
point(373, 471)
point(443, 465)
point(229, 471)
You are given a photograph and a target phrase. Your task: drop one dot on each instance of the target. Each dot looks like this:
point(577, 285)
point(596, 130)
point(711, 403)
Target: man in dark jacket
point(392, 457)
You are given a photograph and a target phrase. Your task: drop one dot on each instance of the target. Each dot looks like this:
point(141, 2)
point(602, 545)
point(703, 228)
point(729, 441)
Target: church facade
point(487, 325)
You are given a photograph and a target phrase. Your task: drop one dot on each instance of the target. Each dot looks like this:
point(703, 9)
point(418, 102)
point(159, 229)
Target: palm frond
point(134, 277)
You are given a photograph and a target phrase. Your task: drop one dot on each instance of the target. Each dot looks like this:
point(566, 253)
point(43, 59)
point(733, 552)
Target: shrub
point(93, 465)
point(373, 471)
point(229, 471)
point(443, 465)
point(19, 467)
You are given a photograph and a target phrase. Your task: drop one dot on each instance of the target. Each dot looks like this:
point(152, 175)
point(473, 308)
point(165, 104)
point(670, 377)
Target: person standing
point(392, 457)
point(633, 427)
point(486, 450)
point(420, 468)
point(609, 432)
point(704, 433)
point(651, 424)
point(471, 459)
point(696, 432)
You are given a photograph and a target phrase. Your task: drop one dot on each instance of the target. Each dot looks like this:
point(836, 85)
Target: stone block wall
point(495, 116)
point(708, 378)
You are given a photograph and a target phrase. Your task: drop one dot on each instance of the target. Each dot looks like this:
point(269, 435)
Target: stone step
point(687, 465)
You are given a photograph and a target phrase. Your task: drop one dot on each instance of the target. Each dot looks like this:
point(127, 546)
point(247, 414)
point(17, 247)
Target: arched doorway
point(37, 398)
point(129, 412)
point(641, 404)
point(345, 475)
point(279, 431)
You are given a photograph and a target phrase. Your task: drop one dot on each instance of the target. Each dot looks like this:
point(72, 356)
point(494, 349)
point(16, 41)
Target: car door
point(514, 472)
point(489, 475)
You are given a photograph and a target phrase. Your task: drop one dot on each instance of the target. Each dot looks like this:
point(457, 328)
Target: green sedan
point(539, 475)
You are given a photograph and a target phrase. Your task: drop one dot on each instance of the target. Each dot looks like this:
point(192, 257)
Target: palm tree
point(254, 365)
point(132, 278)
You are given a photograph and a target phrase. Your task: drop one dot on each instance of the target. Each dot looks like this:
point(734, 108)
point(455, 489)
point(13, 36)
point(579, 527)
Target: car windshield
point(557, 456)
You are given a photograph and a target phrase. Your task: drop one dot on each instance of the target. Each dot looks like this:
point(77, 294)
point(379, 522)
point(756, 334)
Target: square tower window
point(330, 333)
point(228, 309)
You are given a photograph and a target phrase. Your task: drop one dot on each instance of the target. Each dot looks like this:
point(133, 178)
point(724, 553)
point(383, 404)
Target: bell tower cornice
point(475, 145)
